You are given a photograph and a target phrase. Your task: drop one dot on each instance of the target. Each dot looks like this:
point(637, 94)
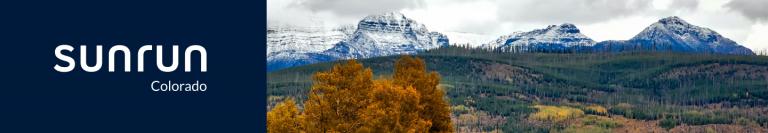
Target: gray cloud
point(685, 4)
point(358, 8)
point(573, 11)
point(752, 9)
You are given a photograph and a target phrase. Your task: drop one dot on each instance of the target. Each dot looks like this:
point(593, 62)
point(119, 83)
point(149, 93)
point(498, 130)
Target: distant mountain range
point(393, 34)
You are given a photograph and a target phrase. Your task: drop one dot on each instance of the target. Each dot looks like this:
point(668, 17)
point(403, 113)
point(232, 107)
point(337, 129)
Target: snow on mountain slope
point(375, 35)
point(687, 37)
point(294, 45)
point(675, 34)
point(295, 39)
point(552, 38)
point(387, 34)
point(393, 33)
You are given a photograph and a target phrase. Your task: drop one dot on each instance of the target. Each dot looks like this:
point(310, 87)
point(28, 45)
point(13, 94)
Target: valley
point(631, 91)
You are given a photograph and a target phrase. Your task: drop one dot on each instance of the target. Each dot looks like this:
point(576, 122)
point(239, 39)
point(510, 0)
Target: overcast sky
point(744, 21)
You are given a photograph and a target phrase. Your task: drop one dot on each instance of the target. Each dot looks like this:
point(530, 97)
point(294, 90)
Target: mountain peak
point(376, 35)
point(673, 20)
point(385, 34)
point(568, 25)
point(564, 28)
point(675, 34)
point(393, 22)
point(675, 27)
point(388, 16)
point(553, 38)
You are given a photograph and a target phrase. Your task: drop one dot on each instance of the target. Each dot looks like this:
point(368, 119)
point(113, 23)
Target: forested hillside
point(572, 92)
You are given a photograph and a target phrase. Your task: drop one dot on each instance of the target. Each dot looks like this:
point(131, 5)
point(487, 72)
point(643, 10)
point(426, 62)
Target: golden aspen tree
point(337, 97)
point(347, 99)
point(393, 109)
point(412, 72)
point(283, 118)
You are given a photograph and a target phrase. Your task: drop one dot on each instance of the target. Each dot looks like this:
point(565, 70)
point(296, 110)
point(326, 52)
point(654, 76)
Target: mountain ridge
point(393, 33)
point(553, 38)
point(676, 35)
point(384, 34)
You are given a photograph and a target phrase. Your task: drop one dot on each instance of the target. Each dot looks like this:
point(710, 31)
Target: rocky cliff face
point(387, 34)
point(375, 35)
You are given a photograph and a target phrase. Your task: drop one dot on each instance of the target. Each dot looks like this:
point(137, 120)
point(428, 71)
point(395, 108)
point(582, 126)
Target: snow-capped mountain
point(297, 39)
point(675, 34)
point(387, 34)
point(552, 38)
point(295, 45)
point(376, 35)
point(393, 33)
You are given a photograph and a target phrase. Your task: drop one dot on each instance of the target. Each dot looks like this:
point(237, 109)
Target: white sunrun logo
point(127, 52)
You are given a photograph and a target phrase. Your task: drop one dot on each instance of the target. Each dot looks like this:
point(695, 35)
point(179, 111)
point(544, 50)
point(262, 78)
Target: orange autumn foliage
point(284, 118)
point(393, 109)
point(412, 72)
point(346, 98)
point(337, 98)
